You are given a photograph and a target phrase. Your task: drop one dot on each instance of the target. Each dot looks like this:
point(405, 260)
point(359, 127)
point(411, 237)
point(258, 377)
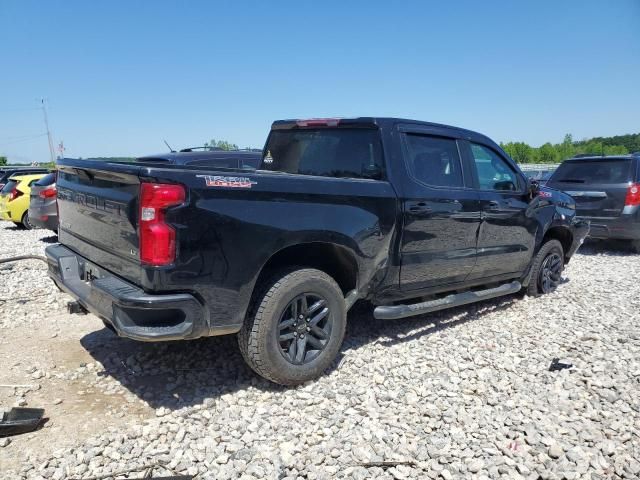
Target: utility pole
point(46, 123)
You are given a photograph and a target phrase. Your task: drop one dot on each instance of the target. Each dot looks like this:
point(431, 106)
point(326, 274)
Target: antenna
point(46, 123)
point(168, 146)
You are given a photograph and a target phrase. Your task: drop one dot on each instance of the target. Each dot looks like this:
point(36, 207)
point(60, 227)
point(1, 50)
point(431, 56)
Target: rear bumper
point(43, 214)
point(5, 214)
point(132, 312)
point(50, 222)
point(624, 227)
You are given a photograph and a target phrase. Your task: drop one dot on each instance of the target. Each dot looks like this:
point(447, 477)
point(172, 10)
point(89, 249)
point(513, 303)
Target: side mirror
point(373, 172)
point(533, 187)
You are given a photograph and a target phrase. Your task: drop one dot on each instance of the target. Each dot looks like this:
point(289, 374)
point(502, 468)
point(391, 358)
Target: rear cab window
point(340, 152)
point(589, 172)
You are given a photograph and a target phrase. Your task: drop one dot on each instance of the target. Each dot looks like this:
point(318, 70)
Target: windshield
point(329, 152)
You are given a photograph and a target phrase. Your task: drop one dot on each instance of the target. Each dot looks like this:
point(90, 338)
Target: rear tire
point(547, 268)
point(295, 327)
point(26, 222)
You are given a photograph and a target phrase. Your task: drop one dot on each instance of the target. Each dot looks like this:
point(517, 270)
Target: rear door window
point(434, 161)
point(608, 172)
point(327, 152)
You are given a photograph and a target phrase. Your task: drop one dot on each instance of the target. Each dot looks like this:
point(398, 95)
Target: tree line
point(556, 153)
point(519, 151)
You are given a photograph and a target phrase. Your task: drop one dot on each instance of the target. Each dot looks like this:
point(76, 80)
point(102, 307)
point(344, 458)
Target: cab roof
point(373, 122)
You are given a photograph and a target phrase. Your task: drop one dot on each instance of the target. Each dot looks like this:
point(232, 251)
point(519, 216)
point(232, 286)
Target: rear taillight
point(157, 238)
point(633, 195)
point(47, 193)
point(15, 193)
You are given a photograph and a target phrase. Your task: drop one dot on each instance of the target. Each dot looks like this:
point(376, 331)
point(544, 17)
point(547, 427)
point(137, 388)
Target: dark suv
point(607, 192)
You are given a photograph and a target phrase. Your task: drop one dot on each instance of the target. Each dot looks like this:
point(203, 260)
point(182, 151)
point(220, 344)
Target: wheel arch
point(563, 235)
point(335, 260)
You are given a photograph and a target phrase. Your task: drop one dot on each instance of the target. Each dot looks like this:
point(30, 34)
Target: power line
point(16, 137)
point(24, 109)
point(24, 140)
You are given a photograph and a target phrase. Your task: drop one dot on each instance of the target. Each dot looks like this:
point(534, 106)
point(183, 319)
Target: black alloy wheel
point(550, 273)
point(304, 328)
point(295, 325)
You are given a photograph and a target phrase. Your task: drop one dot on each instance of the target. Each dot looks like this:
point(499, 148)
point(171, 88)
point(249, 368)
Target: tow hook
point(75, 307)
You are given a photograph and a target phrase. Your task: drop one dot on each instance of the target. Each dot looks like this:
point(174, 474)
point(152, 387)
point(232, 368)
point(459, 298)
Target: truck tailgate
point(98, 214)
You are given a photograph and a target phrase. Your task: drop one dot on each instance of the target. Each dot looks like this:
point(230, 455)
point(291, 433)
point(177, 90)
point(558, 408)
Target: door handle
point(494, 205)
point(420, 207)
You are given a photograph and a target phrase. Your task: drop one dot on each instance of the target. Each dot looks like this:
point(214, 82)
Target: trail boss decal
point(231, 182)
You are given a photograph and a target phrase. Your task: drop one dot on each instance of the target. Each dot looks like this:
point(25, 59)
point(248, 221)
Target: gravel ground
point(465, 393)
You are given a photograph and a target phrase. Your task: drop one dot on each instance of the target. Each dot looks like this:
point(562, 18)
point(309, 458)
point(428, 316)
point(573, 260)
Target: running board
point(393, 312)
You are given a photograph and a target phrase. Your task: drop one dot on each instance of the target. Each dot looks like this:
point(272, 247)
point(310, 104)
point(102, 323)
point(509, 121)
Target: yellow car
point(14, 199)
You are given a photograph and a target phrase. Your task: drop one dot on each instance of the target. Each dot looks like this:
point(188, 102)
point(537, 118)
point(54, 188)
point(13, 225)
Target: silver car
point(43, 209)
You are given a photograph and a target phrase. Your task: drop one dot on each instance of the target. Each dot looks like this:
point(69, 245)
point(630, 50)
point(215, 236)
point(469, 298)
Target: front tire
point(635, 246)
point(547, 269)
point(295, 327)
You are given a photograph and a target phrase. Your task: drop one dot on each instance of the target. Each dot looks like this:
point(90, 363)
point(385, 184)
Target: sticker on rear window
point(223, 181)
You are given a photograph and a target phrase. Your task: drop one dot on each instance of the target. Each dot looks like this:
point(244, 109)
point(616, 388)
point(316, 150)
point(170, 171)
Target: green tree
point(221, 144)
point(3, 161)
point(631, 142)
point(566, 149)
point(615, 150)
point(590, 147)
point(547, 153)
point(519, 151)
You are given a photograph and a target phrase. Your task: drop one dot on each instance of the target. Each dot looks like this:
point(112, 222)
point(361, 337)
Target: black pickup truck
point(413, 216)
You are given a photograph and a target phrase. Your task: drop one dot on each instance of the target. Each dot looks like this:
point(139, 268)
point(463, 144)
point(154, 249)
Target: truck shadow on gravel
point(180, 374)
point(614, 248)
point(50, 239)
point(363, 328)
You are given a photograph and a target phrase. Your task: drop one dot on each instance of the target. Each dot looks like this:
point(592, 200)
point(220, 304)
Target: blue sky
point(120, 76)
